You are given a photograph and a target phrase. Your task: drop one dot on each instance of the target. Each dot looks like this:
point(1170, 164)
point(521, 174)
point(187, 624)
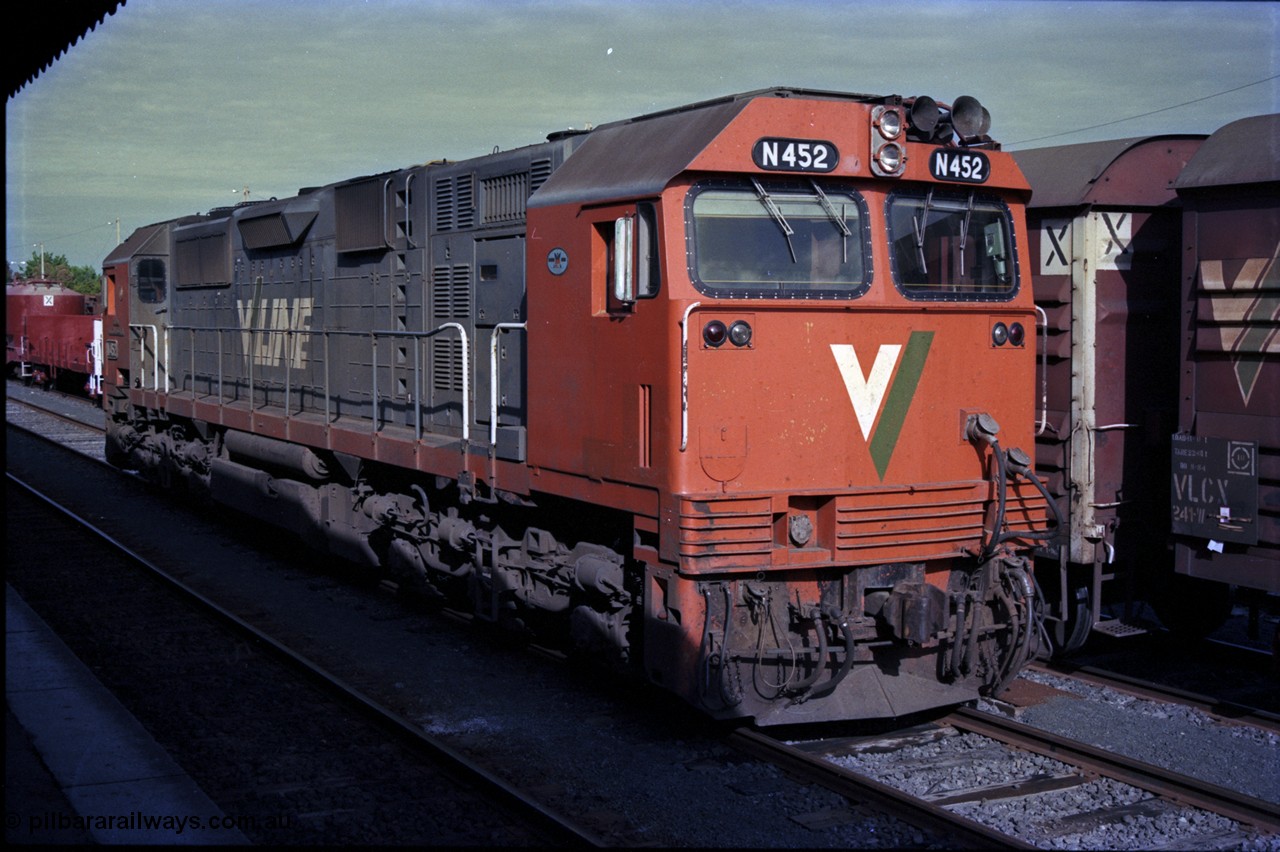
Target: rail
point(558, 830)
point(1258, 813)
point(880, 796)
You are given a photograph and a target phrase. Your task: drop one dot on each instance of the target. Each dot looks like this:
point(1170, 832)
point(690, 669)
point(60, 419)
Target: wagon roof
point(1072, 175)
point(639, 156)
point(1244, 151)
point(38, 286)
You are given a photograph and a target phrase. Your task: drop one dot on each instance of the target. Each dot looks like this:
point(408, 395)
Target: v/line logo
point(881, 398)
point(270, 319)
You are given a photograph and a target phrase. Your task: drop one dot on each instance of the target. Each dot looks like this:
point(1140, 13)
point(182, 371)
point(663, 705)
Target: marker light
point(1017, 334)
point(714, 333)
point(1000, 334)
point(740, 333)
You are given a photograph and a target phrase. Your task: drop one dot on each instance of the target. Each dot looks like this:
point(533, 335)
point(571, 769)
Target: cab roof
point(640, 156)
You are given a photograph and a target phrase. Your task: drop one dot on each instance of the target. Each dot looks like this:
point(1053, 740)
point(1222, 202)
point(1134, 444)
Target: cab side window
point(150, 280)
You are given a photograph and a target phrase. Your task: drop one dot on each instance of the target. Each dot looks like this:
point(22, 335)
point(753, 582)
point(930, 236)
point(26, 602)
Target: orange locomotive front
point(803, 347)
point(717, 393)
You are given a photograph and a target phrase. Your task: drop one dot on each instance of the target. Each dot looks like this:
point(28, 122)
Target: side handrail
point(494, 377)
point(142, 352)
point(684, 376)
point(1044, 371)
point(326, 334)
point(408, 194)
point(421, 337)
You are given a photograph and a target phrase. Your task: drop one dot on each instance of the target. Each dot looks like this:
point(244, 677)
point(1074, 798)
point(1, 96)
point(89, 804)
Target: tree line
point(82, 279)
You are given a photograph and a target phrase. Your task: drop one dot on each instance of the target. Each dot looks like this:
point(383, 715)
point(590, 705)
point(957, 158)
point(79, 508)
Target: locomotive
point(1154, 266)
point(53, 336)
point(728, 395)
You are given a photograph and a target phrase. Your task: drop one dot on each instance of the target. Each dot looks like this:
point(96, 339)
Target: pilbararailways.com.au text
point(141, 821)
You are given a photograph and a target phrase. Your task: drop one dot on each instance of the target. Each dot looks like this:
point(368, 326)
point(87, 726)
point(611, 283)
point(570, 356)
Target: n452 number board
point(795, 155)
point(963, 166)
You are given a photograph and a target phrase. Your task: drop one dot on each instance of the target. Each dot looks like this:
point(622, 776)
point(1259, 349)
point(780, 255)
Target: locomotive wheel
point(1191, 607)
point(114, 456)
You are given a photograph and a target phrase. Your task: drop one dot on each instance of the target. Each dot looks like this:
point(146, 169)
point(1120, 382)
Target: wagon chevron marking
point(1246, 323)
point(882, 389)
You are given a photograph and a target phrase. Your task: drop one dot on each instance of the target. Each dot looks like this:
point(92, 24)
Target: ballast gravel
point(1184, 739)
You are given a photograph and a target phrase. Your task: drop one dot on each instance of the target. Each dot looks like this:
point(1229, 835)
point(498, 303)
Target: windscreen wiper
point(964, 228)
point(835, 217)
point(921, 222)
point(777, 216)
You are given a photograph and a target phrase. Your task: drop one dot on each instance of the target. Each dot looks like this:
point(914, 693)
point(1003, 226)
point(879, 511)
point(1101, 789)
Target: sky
point(174, 107)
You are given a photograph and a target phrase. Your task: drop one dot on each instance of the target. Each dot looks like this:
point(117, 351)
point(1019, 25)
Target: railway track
point(496, 806)
point(1252, 812)
point(1081, 796)
point(71, 422)
point(837, 764)
point(807, 760)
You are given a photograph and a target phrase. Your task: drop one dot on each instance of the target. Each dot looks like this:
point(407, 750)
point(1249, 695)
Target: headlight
point(740, 333)
point(891, 124)
point(890, 157)
point(1000, 334)
point(887, 156)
